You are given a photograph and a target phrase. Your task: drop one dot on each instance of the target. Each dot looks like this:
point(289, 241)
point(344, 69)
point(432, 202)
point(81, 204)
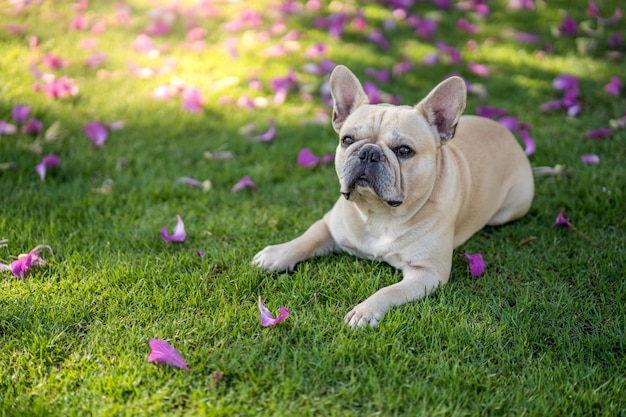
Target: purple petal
point(476, 263)
point(614, 86)
point(529, 143)
point(163, 352)
point(568, 26)
point(20, 113)
point(465, 26)
point(97, 132)
point(7, 128)
point(245, 182)
point(600, 133)
point(590, 159)
point(490, 112)
point(561, 220)
point(307, 159)
point(178, 234)
point(269, 135)
point(479, 69)
point(193, 100)
point(33, 127)
point(47, 161)
point(551, 105)
point(527, 37)
point(509, 122)
point(267, 319)
point(565, 82)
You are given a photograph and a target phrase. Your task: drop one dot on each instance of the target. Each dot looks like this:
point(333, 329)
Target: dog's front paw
point(364, 314)
point(274, 258)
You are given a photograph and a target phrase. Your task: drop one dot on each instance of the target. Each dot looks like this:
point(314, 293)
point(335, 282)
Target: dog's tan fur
point(411, 210)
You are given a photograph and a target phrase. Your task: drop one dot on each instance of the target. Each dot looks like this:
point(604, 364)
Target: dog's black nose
point(370, 153)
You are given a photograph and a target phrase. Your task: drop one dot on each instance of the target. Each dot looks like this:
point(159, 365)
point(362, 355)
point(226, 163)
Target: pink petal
point(178, 234)
point(479, 69)
point(97, 132)
point(245, 182)
point(163, 352)
point(7, 128)
point(600, 133)
point(33, 127)
point(490, 111)
point(193, 100)
point(20, 113)
point(565, 82)
point(561, 220)
point(307, 159)
point(267, 319)
point(529, 143)
point(269, 135)
point(476, 263)
point(590, 159)
point(509, 122)
point(47, 161)
point(614, 86)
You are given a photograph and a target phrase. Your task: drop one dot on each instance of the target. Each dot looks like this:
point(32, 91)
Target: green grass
point(541, 332)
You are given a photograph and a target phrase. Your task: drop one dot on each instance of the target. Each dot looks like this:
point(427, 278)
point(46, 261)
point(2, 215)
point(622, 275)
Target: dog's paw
point(364, 314)
point(274, 259)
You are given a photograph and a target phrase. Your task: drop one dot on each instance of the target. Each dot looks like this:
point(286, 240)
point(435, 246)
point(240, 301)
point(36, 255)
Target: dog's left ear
point(348, 94)
point(443, 107)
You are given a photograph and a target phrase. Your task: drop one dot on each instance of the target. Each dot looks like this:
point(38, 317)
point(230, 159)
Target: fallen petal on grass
point(47, 161)
point(267, 319)
point(590, 159)
point(163, 352)
point(476, 263)
point(244, 182)
point(20, 267)
point(178, 234)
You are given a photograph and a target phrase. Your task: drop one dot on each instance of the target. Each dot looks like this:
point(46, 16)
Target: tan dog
point(410, 200)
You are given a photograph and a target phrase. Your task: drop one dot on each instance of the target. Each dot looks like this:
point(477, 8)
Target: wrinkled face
point(386, 154)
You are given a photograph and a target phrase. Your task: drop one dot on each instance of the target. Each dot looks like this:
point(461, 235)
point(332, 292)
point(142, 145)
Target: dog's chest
point(375, 243)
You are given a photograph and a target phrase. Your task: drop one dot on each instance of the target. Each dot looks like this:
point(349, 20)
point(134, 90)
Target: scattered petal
point(97, 132)
point(307, 159)
point(267, 319)
point(193, 100)
point(269, 135)
point(591, 159)
point(562, 221)
point(20, 267)
point(178, 234)
point(245, 182)
point(163, 352)
point(600, 133)
point(529, 143)
point(47, 161)
point(7, 128)
point(206, 185)
point(33, 127)
point(476, 263)
point(20, 113)
point(614, 87)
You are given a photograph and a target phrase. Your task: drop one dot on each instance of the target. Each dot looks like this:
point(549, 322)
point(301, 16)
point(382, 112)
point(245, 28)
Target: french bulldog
point(410, 195)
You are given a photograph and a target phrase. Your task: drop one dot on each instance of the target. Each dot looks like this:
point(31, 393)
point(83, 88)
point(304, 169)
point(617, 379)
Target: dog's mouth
point(364, 182)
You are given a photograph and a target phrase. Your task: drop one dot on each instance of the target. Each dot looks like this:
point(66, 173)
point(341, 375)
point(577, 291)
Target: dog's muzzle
point(367, 168)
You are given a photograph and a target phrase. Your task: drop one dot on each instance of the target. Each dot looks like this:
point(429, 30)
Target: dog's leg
point(416, 283)
point(316, 241)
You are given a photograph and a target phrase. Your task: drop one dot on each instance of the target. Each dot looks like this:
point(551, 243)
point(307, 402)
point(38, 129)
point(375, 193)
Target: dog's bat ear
point(443, 107)
point(348, 94)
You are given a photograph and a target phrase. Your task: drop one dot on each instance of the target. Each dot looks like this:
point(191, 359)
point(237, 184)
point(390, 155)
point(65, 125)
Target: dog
point(411, 194)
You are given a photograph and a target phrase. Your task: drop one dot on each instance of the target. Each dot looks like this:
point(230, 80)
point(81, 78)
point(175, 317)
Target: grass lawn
point(542, 332)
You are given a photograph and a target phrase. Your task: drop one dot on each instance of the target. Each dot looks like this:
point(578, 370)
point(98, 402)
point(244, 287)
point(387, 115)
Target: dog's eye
point(404, 151)
point(347, 140)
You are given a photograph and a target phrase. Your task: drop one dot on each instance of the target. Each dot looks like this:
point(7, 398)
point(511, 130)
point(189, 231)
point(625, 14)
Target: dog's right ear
point(348, 94)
